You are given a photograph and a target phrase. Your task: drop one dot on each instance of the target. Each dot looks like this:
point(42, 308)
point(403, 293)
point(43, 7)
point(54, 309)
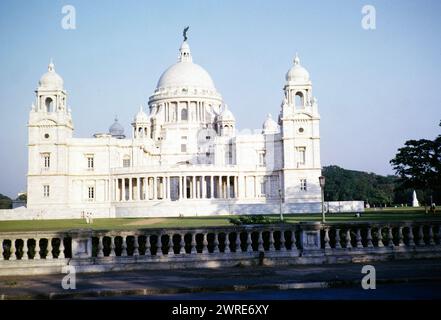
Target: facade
point(183, 156)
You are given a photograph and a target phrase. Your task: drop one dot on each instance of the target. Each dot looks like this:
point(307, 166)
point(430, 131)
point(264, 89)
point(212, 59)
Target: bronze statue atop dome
point(185, 33)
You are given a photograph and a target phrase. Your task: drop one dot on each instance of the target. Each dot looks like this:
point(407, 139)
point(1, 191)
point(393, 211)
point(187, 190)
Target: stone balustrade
point(216, 246)
point(35, 246)
point(210, 241)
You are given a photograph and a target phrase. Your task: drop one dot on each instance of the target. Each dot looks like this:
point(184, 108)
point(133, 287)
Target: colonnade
point(175, 187)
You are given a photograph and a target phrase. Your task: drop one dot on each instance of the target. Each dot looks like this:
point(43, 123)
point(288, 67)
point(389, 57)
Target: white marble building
point(183, 157)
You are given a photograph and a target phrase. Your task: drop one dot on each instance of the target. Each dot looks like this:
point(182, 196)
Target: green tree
point(5, 202)
point(418, 166)
point(343, 184)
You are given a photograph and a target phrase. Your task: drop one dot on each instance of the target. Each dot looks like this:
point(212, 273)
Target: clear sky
point(375, 88)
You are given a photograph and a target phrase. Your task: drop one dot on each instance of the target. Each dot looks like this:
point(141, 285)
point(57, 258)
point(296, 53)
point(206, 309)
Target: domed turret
point(141, 124)
point(141, 117)
point(270, 126)
point(226, 115)
point(297, 73)
point(116, 130)
point(51, 80)
point(225, 122)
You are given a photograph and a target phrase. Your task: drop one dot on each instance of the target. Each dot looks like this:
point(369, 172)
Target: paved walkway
point(139, 283)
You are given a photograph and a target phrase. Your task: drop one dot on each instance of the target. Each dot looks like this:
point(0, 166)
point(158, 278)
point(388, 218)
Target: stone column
point(228, 188)
point(155, 188)
point(235, 181)
point(164, 187)
point(255, 187)
point(168, 188)
point(194, 188)
point(180, 187)
point(123, 189)
point(130, 189)
point(147, 188)
point(211, 187)
point(185, 188)
point(219, 189)
point(204, 187)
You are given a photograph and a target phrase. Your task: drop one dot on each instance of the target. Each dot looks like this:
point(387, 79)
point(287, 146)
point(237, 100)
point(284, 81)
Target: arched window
point(299, 99)
point(184, 114)
point(49, 105)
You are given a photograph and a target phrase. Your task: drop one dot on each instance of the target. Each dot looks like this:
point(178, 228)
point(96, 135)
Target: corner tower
point(49, 129)
point(299, 120)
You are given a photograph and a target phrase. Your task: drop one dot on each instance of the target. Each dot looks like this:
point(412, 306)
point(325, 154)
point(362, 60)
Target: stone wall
point(344, 206)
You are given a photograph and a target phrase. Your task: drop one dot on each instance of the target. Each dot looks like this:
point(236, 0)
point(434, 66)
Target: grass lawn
point(388, 214)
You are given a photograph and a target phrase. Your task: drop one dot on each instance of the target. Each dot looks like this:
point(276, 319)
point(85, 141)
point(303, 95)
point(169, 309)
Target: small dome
point(117, 130)
point(270, 126)
point(226, 115)
point(141, 116)
point(297, 73)
point(51, 79)
point(185, 73)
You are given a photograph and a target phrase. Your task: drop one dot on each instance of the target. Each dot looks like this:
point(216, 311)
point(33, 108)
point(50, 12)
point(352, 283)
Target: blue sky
point(375, 88)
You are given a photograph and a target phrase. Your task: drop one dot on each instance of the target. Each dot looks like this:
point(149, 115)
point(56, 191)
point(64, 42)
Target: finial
point(116, 118)
point(269, 116)
point(185, 32)
point(296, 59)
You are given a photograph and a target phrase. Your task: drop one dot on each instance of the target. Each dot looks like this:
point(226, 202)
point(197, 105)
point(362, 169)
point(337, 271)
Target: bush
point(254, 219)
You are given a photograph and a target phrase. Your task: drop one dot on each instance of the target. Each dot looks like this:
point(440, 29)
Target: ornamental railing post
point(81, 244)
point(310, 238)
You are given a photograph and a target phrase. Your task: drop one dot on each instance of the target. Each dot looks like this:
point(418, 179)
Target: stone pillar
point(155, 188)
point(194, 188)
point(228, 188)
point(211, 187)
point(235, 181)
point(180, 185)
point(168, 188)
point(255, 187)
point(185, 188)
point(204, 187)
point(130, 189)
point(81, 245)
point(219, 189)
point(164, 187)
point(310, 238)
point(123, 189)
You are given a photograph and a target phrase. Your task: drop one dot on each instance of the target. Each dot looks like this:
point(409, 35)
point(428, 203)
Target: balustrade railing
point(24, 246)
point(359, 236)
point(285, 240)
point(168, 243)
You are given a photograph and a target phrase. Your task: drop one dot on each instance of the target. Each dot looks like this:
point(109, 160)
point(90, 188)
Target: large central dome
point(185, 74)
